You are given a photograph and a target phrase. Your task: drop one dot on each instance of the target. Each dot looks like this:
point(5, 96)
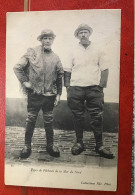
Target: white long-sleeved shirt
point(86, 64)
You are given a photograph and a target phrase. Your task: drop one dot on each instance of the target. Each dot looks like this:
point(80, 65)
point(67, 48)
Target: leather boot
point(78, 146)
point(26, 151)
point(51, 149)
point(100, 149)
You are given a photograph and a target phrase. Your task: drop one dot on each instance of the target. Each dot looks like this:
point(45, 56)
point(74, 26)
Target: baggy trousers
point(35, 103)
point(93, 96)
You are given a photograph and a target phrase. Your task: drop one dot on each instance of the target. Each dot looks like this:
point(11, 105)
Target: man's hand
point(27, 85)
point(57, 100)
point(100, 88)
point(67, 88)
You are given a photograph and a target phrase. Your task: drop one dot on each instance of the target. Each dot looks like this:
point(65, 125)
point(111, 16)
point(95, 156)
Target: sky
point(23, 28)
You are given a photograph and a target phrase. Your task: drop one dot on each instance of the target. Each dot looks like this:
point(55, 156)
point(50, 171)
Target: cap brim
point(39, 38)
point(79, 29)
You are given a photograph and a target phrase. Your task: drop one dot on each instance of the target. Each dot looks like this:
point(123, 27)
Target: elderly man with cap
point(85, 77)
point(40, 73)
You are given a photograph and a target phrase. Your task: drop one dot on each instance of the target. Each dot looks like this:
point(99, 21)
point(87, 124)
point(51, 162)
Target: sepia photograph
point(62, 98)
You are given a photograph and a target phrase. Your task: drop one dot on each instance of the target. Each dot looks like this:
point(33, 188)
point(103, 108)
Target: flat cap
point(83, 27)
point(46, 33)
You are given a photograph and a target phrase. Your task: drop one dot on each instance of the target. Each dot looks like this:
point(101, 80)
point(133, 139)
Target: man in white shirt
point(85, 77)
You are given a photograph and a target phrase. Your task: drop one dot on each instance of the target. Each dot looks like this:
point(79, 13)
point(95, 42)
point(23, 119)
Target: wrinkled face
point(47, 42)
point(83, 35)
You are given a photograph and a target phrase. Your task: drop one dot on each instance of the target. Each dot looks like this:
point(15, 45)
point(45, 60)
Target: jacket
point(42, 69)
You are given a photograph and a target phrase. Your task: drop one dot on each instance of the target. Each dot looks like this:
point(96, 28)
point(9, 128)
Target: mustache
point(84, 38)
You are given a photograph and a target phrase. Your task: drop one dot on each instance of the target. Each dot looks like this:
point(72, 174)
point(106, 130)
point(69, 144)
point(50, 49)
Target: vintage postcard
point(62, 99)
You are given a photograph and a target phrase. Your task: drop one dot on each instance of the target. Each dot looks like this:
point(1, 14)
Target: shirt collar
point(81, 46)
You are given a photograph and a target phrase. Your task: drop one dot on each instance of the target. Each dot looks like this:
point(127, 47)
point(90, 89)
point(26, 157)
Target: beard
point(85, 41)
